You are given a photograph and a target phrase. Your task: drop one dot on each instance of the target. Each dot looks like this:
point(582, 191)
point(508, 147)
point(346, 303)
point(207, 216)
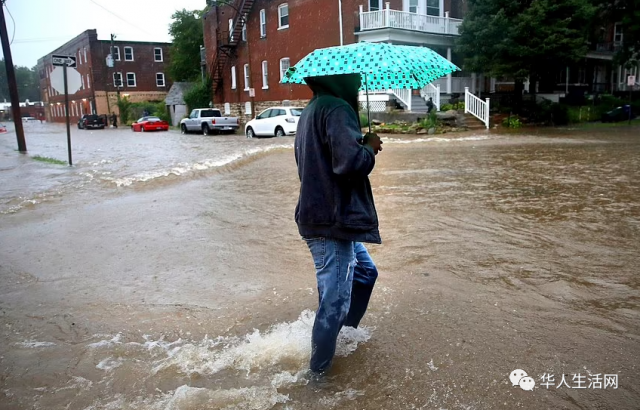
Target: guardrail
point(433, 92)
point(476, 107)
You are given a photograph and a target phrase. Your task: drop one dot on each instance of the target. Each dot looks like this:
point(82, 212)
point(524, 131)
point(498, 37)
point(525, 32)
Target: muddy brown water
point(143, 288)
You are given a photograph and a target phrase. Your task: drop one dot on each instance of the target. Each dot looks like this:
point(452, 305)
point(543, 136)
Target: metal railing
point(387, 18)
point(433, 92)
point(476, 107)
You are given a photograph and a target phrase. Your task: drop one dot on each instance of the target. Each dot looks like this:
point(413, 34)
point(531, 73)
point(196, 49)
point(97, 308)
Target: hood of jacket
point(343, 86)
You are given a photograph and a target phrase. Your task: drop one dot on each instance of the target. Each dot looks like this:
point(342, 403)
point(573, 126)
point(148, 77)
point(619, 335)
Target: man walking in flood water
point(335, 211)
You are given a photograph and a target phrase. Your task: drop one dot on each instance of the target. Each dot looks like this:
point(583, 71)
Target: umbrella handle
point(366, 88)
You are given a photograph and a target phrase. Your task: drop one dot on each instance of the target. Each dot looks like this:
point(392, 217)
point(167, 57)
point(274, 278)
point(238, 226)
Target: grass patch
point(49, 160)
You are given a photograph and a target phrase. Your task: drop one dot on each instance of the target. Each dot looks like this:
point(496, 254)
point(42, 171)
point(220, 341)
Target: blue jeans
point(346, 276)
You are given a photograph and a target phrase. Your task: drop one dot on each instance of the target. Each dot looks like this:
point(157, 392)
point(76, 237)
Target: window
point(284, 66)
point(265, 76)
point(85, 54)
point(88, 83)
point(79, 58)
point(227, 108)
point(157, 53)
point(82, 81)
point(246, 77)
point(247, 108)
point(374, 5)
point(263, 23)
point(433, 7)
point(128, 54)
point(244, 28)
point(116, 53)
point(233, 77)
point(617, 33)
point(131, 79)
point(117, 79)
point(160, 79)
point(283, 16)
point(413, 6)
point(231, 30)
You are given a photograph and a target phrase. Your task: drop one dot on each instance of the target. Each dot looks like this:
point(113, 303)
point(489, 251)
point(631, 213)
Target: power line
point(114, 14)
point(14, 23)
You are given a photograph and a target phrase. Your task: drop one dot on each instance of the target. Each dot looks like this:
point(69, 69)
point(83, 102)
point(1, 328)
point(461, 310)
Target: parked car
point(208, 121)
point(275, 121)
point(618, 114)
point(91, 121)
point(29, 119)
point(150, 124)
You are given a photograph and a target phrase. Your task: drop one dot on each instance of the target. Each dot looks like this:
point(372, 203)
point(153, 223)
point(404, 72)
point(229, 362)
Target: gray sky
point(43, 25)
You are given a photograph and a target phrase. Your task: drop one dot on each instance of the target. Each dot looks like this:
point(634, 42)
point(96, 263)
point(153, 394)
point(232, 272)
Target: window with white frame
point(617, 33)
point(85, 54)
point(231, 30)
point(283, 16)
point(233, 77)
point(433, 7)
point(284, 66)
point(246, 77)
point(116, 53)
point(413, 6)
point(247, 108)
point(79, 58)
point(128, 54)
point(374, 5)
point(157, 54)
point(265, 75)
point(244, 28)
point(117, 79)
point(82, 82)
point(227, 108)
point(88, 83)
point(160, 80)
point(131, 79)
point(263, 23)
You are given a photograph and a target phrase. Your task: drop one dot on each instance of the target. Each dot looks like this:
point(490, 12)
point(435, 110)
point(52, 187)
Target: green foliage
point(430, 122)
point(186, 30)
point(49, 160)
point(512, 121)
point(27, 80)
point(457, 106)
point(524, 38)
point(364, 120)
point(157, 108)
point(124, 105)
point(628, 13)
point(198, 96)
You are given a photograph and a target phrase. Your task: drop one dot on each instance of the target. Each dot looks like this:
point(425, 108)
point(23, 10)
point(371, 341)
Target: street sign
point(631, 80)
point(109, 61)
point(74, 80)
point(60, 60)
point(252, 92)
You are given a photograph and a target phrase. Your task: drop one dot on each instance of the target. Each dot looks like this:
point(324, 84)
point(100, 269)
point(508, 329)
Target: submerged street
point(165, 271)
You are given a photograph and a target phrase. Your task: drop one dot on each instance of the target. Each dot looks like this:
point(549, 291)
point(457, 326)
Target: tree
point(27, 81)
point(628, 13)
point(187, 34)
point(526, 38)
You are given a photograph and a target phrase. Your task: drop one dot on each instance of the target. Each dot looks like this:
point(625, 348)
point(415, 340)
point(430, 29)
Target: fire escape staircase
point(228, 42)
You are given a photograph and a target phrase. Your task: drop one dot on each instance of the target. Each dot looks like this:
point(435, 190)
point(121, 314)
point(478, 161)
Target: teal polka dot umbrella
point(382, 66)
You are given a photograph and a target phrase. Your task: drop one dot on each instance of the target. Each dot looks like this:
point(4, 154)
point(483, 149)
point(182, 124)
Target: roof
point(175, 96)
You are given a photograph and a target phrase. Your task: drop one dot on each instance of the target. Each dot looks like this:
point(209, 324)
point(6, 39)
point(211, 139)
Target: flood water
point(164, 271)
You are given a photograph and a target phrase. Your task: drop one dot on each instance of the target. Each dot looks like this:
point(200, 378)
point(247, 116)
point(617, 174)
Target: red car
point(150, 124)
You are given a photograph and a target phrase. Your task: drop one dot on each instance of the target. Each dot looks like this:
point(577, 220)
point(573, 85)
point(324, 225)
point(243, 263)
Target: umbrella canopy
point(382, 66)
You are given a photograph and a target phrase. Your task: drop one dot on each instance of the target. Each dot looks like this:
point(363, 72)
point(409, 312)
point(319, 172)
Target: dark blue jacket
point(335, 194)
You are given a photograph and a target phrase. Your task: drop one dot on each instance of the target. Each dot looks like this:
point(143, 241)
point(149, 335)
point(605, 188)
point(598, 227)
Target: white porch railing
point(476, 107)
point(404, 95)
point(433, 92)
point(387, 18)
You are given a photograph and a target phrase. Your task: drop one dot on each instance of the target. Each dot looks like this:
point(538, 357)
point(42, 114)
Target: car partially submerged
point(149, 123)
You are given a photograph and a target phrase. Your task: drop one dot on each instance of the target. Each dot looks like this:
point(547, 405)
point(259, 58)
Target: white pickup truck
point(208, 121)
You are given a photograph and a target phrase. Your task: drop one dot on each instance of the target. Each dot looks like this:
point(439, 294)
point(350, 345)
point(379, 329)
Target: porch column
point(473, 83)
point(492, 85)
point(526, 83)
point(449, 75)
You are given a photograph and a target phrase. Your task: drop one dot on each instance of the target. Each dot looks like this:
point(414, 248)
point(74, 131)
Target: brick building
point(279, 33)
point(139, 67)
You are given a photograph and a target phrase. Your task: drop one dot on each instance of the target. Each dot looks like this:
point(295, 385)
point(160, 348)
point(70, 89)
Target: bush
point(199, 96)
point(457, 106)
point(430, 122)
point(364, 120)
point(124, 105)
point(559, 114)
point(512, 121)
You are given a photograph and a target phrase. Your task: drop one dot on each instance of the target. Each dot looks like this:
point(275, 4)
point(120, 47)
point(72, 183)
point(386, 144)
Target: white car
point(275, 121)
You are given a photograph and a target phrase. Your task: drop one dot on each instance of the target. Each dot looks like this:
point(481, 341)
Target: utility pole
point(11, 79)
